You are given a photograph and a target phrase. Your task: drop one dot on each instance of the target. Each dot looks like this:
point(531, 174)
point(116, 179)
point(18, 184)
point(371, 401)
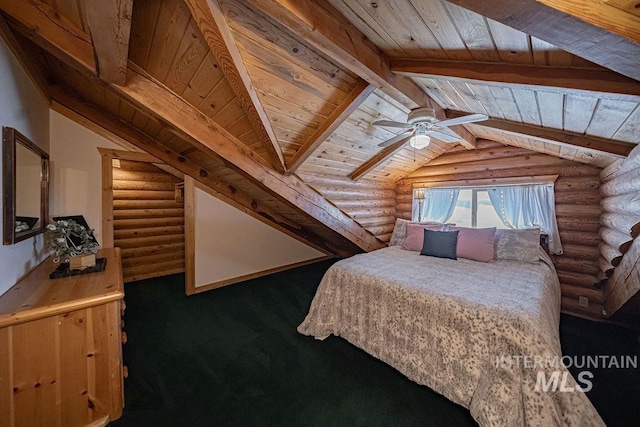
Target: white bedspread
point(443, 323)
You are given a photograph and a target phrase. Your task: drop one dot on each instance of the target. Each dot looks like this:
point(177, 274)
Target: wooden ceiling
point(294, 86)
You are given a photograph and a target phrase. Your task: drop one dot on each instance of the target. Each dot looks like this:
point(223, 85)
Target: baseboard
point(632, 326)
point(583, 316)
point(227, 282)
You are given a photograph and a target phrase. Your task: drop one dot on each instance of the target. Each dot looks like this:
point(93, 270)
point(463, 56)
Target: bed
point(458, 327)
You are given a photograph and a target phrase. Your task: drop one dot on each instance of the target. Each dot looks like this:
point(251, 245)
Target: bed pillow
point(400, 230)
point(476, 243)
point(415, 235)
point(518, 245)
point(441, 244)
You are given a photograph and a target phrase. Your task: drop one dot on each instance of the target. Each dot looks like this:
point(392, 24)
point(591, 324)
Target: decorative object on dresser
point(73, 243)
point(61, 348)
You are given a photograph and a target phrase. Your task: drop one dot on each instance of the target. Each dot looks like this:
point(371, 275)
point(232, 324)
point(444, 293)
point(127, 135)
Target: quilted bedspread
point(461, 327)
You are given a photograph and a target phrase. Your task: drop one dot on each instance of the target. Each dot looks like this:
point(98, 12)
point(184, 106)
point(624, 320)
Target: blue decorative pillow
point(441, 244)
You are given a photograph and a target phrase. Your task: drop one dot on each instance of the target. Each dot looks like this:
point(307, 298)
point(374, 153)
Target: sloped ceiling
point(295, 86)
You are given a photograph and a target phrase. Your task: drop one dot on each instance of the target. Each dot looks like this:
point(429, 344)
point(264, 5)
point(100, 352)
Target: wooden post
point(190, 235)
point(107, 201)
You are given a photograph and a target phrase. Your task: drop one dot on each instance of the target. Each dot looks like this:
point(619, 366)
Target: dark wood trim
point(8, 187)
point(11, 137)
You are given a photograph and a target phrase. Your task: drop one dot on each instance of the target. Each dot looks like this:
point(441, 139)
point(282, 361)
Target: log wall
point(148, 223)
point(577, 207)
point(620, 253)
point(370, 203)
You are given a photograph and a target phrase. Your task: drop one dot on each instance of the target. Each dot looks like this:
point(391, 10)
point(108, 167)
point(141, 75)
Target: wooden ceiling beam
point(342, 112)
point(214, 28)
point(35, 74)
point(113, 128)
point(494, 73)
point(154, 99)
point(158, 101)
point(321, 25)
point(468, 139)
point(110, 26)
point(561, 29)
point(618, 16)
point(72, 46)
point(618, 149)
point(378, 159)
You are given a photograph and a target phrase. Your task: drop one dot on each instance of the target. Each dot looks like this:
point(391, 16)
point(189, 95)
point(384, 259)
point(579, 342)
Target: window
point(508, 206)
point(474, 209)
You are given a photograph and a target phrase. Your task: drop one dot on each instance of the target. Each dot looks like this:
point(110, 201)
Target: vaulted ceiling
point(251, 96)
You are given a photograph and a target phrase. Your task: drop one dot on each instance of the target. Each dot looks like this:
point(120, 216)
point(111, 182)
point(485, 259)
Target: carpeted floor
point(232, 357)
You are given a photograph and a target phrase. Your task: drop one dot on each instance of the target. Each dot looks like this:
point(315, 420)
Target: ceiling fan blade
point(464, 119)
point(396, 139)
point(449, 136)
point(392, 124)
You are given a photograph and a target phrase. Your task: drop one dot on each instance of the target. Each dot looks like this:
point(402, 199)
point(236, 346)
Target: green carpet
point(232, 357)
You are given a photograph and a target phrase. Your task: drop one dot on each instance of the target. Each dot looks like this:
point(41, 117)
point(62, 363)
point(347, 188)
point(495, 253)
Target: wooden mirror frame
point(11, 137)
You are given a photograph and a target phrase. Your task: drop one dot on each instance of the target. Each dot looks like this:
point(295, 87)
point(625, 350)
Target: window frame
point(479, 184)
point(474, 203)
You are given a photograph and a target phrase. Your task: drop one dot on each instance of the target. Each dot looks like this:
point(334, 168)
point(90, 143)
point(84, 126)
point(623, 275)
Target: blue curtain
point(437, 206)
point(528, 206)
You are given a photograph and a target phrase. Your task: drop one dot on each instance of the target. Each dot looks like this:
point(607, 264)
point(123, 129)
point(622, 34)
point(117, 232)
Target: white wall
point(76, 179)
point(230, 243)
point(21, 107)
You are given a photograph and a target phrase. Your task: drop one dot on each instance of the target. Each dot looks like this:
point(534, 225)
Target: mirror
point(25, 187)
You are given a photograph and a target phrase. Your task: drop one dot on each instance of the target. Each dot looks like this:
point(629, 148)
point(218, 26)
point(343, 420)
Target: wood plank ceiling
point(439, 30)
point(281, 84)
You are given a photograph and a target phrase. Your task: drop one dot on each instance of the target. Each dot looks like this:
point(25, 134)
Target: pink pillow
point(415, 235)
point(476, 243)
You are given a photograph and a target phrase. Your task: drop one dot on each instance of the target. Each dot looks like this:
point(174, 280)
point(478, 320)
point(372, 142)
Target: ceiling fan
point(423, 124)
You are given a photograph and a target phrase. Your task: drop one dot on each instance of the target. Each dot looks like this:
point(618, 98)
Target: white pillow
point(518, 245)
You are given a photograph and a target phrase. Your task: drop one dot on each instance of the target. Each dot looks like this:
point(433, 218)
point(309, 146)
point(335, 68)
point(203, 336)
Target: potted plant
point(73, 243)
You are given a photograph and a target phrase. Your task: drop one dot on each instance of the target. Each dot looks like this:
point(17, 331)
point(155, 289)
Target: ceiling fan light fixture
point(419, 141)
point(423, 123)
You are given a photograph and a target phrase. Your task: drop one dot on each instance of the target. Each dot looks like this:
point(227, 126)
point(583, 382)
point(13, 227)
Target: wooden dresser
point(61, 348)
